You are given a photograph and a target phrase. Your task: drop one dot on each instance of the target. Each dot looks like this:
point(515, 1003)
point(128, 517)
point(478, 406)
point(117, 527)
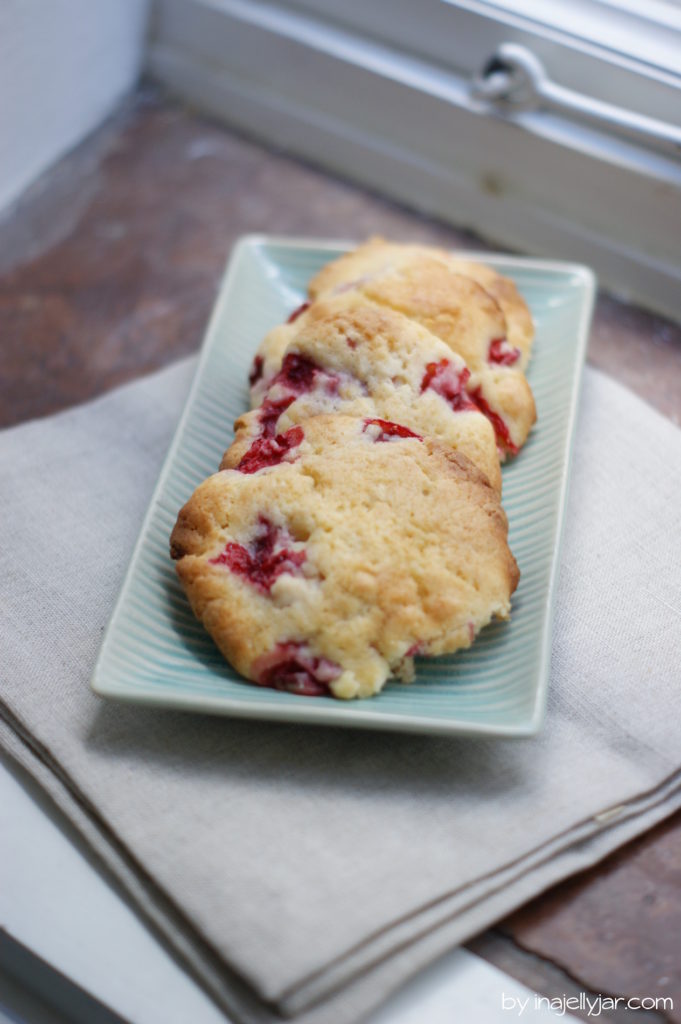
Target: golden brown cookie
point(321, 561)
point(378, 255)
point(424, 285)
point(360, 359)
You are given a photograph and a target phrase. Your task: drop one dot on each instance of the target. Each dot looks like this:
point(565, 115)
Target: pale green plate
point(155, 651)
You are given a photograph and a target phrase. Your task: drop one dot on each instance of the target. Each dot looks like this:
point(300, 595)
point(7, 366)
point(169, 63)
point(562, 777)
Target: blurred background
point(553, 128)
point(139, 139)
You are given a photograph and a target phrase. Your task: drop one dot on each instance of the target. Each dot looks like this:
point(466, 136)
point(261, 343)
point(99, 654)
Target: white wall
point(64, 64)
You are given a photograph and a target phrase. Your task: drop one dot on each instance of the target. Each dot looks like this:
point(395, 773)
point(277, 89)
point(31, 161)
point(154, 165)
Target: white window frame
point(369, 92)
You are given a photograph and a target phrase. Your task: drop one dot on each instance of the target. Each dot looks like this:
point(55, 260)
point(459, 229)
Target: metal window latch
point(515, 80)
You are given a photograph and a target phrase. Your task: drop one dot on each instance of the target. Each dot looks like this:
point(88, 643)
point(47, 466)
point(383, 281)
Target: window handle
point(513, 79)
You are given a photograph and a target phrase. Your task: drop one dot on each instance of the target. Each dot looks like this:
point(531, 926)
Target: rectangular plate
point(154, 650)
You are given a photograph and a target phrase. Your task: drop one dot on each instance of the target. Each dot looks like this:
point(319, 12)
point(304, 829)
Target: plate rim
point(354, 715)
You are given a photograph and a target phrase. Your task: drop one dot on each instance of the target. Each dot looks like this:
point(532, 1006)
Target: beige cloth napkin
point(304, 871)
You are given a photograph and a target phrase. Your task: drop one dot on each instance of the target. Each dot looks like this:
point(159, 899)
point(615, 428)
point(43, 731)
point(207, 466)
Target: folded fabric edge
point(459, 913)
point(232, 994)
point(367, 992)
point(331, 998)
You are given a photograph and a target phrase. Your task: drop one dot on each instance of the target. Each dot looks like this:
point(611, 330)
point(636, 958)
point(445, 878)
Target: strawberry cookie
point(478, 314)
point(377, 256)
point(320, 561)
point(356, 358)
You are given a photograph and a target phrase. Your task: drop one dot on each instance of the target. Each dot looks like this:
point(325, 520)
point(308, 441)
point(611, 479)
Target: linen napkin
point(302, 871)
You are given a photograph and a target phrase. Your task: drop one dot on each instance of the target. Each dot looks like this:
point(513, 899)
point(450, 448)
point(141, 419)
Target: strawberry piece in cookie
point(291, 667)
point(501, 430)
point(502, 354)
point(449, 383)
point(267, 556)
point(384, 430)
point(270, 451)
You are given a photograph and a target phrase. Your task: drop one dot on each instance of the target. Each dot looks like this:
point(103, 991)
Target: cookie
point(378, 255)
point(453, 306)
point(321, 562)
point(352, 357)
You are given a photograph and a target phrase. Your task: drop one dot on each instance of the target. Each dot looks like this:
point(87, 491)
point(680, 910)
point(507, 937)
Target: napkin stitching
point(164, 905)
point(551, 846)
